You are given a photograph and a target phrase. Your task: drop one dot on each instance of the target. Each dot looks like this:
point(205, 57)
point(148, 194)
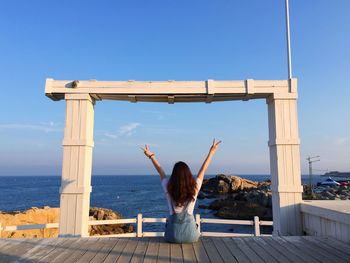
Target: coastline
point(47, 215)
point(118, 194)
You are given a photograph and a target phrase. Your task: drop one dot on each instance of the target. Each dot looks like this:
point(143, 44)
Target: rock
point(262, 198)
point(340, 192)
point(244, 205)
point(217, 204)
point(211, 196)
point(210, 186)
point(223, 187)
point(244, 200)
point(33, 215)
point(266, 185)
point(242, 196)
point(238, 183)
point(223, 184)
point(96, 213)
point(328, 194)
point(48, 214)
point(201, 195)
point(332, 190)
point(245, 211)
point(343, 190)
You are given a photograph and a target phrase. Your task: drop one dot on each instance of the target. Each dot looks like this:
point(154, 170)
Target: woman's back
point(180, 226)
point(178, 209)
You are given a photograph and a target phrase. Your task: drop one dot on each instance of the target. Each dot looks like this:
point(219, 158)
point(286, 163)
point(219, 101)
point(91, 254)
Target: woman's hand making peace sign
point(147, 151)
point(214, 146)
point(154, 160)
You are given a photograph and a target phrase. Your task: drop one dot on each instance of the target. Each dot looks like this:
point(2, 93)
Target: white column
point(285, 164)
point(76, 167)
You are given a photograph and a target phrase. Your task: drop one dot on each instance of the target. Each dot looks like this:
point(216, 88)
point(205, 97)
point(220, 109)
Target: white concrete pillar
point(285, 164)
point(76, 168)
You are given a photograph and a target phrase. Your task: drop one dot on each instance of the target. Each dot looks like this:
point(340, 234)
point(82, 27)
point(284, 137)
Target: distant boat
point(337, 174)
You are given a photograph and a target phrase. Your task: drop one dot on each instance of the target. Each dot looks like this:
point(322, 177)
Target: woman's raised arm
point(207, 160)
point(155, 162)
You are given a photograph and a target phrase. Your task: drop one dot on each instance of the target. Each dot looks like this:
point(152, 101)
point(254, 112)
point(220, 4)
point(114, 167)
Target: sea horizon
point(139, 194)
point(209, 175)
point(20, 192)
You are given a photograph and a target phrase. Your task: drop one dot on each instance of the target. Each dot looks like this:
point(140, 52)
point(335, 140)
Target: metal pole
point(310, 161)
point(310, 176)
point(289, 53)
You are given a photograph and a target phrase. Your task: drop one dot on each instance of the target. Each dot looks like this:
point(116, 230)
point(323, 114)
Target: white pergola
point(80, 96)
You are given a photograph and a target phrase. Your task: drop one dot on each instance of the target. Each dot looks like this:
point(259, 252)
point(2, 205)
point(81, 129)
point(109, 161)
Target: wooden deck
point(243, 249)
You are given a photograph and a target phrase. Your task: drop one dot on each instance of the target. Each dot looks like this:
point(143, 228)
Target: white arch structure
point(80, 96)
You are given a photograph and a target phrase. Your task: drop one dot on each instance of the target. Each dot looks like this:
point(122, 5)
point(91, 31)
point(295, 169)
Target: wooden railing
point(140, 220)
point(28, 227)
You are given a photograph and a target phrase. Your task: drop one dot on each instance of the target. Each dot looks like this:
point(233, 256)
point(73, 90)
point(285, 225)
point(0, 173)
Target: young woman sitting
point(181, 191)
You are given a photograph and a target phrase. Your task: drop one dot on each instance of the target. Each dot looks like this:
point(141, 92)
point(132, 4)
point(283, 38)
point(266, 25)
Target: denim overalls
point(181, 227)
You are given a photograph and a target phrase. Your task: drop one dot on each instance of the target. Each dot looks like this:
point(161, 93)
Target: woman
point(181, 191)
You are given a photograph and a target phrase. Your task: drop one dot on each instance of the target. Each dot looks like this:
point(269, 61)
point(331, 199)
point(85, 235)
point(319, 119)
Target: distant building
point(337, 174)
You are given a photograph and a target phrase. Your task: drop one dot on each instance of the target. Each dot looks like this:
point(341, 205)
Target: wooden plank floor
point(237, 249)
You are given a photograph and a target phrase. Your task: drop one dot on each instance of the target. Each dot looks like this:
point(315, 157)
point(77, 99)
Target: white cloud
point(110, 135)
point(43, 127)
point(342, 140)
point(125, 130)
point(160, 115)
point(128, 129)
point(50, 123)
point(163, 130)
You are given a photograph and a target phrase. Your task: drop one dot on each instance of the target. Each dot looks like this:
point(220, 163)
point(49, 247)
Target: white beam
point(158, 91)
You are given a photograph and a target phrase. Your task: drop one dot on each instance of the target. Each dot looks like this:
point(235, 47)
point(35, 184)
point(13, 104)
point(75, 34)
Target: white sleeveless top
point(178, 209)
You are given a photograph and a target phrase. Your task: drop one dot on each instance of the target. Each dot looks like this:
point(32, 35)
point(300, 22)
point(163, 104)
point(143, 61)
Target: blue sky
point(177, 40)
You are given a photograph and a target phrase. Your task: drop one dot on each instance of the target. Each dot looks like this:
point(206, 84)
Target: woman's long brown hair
point(181, 186)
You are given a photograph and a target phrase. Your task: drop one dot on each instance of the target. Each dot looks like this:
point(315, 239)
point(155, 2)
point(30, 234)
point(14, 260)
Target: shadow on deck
point(237, 249)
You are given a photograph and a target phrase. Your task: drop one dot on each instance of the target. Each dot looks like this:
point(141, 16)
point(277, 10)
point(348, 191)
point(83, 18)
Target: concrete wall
point(327, 218)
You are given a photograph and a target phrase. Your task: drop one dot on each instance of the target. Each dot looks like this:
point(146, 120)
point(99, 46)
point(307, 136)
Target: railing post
point(139, 225)
point(198, 222)
point(256, 226)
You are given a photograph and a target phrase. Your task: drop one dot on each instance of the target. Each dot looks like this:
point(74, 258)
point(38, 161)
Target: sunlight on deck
point(243, 249)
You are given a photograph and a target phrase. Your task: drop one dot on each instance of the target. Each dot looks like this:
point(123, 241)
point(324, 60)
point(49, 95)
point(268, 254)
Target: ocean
point(128, 195)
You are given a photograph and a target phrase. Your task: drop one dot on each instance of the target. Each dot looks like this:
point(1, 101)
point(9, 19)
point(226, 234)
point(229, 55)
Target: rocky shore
point(237, 198)
point(48, 214)
point(107, 214)
point(337, 192)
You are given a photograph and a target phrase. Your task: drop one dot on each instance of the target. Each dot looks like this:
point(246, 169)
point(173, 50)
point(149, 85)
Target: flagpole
point(289, 56)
